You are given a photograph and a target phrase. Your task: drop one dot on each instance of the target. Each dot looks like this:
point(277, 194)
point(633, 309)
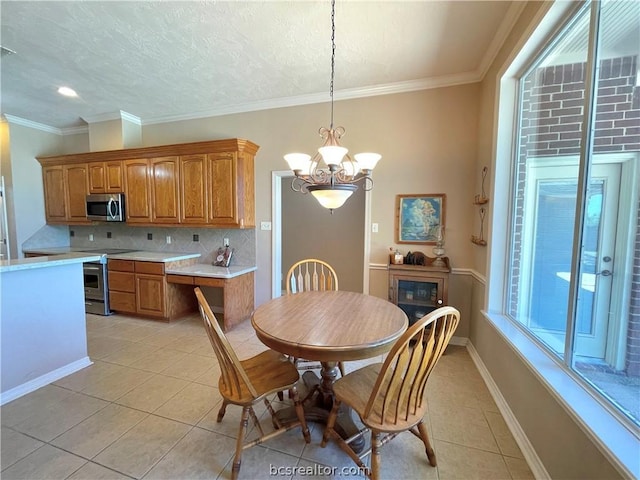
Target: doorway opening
point(332, 239)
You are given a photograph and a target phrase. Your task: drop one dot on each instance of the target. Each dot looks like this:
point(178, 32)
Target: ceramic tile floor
point(147, 408)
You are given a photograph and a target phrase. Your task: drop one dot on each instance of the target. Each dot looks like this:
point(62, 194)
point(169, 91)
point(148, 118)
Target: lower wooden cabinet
point(141, 288)
point(150, 295)
point(419, 289)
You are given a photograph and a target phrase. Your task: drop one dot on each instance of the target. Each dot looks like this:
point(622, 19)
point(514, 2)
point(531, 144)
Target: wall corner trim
point(530, 455)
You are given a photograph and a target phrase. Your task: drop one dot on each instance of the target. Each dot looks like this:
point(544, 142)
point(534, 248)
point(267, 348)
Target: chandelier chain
point(333, 183)
point(333, 54)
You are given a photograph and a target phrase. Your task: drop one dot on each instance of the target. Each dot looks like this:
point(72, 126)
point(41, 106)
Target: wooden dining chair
point(307, 275)
point(247, 382)
point(389, 397)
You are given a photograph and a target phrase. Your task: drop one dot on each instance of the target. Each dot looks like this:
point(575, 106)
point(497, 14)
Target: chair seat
point(269, 372)
point(355, 389)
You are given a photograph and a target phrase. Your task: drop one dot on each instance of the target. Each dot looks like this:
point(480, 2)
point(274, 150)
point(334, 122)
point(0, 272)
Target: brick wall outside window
point(552, 111)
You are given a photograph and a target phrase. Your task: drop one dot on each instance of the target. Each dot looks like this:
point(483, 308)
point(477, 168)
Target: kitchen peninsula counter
point(46, 261)
point(44, 335)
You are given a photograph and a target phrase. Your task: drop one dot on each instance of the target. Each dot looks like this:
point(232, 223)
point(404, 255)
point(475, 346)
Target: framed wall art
point(418, 217)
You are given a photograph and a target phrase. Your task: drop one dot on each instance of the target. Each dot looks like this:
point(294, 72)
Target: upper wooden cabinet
point(65, 192)
point(198, 184)
point(194, 189)
point(137, 191)
point(164, 174)
point(106, 177)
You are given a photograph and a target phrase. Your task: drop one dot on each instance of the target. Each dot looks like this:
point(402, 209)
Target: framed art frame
point(418, 217)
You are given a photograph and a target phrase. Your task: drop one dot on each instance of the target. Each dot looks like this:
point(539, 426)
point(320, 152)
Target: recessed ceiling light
point(67, 92)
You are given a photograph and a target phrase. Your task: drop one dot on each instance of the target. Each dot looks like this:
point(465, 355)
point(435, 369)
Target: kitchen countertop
point(46, 261)
point(154, 256)
point(206, 270)
point(139, 255)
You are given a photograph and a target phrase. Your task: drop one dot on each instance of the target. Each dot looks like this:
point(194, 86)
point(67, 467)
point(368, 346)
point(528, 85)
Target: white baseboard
point(529, 453)
point(43, 380)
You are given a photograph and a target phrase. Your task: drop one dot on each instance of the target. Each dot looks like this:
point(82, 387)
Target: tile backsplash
point(118, 235)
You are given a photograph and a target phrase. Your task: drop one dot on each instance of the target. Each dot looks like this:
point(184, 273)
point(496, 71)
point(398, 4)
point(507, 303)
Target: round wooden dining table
point(330, 327)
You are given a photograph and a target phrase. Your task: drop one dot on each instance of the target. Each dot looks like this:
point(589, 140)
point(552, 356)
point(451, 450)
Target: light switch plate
point(374, 227)
point(265, 225)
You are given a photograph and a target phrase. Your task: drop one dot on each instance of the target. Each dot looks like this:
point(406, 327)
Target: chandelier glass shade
point(331, 175)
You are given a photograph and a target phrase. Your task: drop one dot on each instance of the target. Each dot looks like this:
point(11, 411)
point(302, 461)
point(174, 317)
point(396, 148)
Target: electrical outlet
point(265, 225)
point(225, 242)
point(196, 237)
point(108, 234)
point(91, 237)
point(149, 236)
point(374, 227)
point(168, 238)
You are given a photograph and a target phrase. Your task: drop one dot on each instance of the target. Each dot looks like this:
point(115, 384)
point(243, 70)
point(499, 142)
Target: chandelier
point(334, 182)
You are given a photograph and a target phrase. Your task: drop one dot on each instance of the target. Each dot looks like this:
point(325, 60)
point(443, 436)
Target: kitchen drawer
point(122, 282)
point(210, 282)
point(122, 302)
point(121, 265)
point(151, 268)
point(184, 279)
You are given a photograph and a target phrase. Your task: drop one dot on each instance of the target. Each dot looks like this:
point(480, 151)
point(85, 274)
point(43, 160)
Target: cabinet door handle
point(439, 301)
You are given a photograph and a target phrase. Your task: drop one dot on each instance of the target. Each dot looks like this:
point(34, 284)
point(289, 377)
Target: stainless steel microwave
point(106, 207)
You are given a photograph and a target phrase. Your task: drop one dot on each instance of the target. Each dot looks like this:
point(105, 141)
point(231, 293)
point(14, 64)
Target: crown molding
point(500, 37)
point(118, 115)
point(347, 94)
point(295, 101)
point(11, 119)
point(75, 130)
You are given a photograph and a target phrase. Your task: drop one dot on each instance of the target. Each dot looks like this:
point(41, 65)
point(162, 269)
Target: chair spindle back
point(398, 393)
point(311, 275)
point(232, 373)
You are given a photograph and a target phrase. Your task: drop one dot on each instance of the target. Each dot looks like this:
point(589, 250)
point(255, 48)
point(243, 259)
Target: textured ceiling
point(167, 60)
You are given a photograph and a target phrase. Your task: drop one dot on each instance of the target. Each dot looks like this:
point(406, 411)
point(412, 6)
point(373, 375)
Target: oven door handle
point(91, 268)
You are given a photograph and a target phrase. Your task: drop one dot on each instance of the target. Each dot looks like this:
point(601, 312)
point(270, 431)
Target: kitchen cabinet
point(122, 285)
point(232, 189)
point(137, 187)
point(208, 184)
point(164, 177)
point(141, 288)
point(223, 207)
point(106, 177)
point(194, 189)
point(419, 289)
point(65, 191)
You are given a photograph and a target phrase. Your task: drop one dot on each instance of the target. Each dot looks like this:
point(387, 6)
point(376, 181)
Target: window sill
point(613, 437)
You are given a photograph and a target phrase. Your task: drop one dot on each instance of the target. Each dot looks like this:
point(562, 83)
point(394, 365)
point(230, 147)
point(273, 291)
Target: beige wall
point(428, 144)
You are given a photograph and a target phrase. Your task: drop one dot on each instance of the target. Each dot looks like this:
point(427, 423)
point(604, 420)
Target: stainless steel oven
point(96, 283)
point(96, 291)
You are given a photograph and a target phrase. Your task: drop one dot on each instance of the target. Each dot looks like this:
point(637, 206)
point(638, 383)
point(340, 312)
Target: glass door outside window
point(550, 206)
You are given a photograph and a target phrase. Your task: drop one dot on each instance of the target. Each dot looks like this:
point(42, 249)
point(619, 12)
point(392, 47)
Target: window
point(574, 249)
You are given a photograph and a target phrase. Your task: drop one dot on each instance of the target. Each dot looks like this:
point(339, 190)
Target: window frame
point(604, 424)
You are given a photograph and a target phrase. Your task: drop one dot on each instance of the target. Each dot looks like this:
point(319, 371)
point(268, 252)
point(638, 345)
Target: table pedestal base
point(317, 408)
